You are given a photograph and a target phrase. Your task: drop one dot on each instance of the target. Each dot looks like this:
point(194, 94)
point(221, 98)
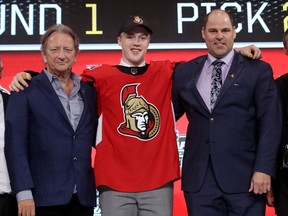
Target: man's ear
point(202, 32)
point(119, 41)
point(44, 57)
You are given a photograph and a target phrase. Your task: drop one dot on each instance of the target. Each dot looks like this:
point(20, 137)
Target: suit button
point(211, 120)
point(75, 159)
point(74, 137)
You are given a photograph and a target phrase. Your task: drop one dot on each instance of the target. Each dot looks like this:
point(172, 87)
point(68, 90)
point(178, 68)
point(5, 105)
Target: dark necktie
point(216, 81)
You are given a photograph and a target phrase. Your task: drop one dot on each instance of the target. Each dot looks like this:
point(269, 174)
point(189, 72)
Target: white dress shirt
point(4, 178)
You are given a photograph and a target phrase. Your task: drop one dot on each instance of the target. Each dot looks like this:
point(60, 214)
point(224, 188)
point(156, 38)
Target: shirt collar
point(123, 63)
point(51, 77)
point(226, 59)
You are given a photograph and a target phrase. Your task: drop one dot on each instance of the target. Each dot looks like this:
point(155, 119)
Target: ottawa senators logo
point(138, 20)
point(141, 119)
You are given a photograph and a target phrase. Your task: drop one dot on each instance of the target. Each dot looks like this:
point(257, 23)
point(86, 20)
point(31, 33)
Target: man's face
point(134, 45)
point(219, 34)
point(60, 53)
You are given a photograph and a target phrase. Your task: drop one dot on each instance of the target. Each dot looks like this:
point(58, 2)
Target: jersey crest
point(141, 118)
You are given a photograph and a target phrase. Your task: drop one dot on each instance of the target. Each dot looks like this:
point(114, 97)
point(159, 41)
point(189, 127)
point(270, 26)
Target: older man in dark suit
point(234, 131)
point(50, 130)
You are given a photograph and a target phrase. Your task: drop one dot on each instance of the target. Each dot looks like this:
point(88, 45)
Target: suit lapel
point(86, 101)
point(197, 68)
point(5, 100)
point(235, 69)
point(45, 86)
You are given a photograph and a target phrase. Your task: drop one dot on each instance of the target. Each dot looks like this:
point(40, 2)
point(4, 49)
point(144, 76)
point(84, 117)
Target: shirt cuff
point(24, 195)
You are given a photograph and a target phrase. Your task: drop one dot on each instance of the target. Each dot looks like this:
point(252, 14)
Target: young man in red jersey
point(136, 158)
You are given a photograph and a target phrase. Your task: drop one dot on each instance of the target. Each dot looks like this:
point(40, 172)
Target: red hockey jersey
point(136, 141)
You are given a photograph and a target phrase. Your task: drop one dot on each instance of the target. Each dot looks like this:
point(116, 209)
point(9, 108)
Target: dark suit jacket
point(43, 151)
point(242, 134)
point(5, 99)
point(282, 84)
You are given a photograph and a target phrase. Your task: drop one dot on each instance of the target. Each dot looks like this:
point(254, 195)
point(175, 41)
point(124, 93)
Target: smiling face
point(219, 34)
point(134, 45)
point(60, 53)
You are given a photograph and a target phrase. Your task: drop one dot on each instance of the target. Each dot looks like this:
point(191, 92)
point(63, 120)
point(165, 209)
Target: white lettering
point(16, 11)
point(182, 19)
point(3, 20)
point(28, 24)
point(238, 8)
point(251, 20)
point(43, 7)
point(208, 6)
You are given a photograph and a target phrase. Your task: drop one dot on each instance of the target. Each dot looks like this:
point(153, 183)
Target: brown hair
point(61, 29)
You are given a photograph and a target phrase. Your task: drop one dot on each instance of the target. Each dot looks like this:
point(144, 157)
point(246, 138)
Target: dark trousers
point(280, 189)
point(73, 208)
point(8, 205)
point(210, 200)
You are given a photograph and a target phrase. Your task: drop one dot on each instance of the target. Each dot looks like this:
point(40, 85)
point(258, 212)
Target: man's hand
point(19, 80)
point(26, 208)
point(251, 51)
point(260, 183)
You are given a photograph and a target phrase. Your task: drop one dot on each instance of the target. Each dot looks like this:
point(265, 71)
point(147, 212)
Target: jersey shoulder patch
point(93, 66)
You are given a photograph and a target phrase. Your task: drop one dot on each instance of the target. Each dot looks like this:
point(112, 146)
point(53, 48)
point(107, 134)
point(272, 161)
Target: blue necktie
point(216, 81)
